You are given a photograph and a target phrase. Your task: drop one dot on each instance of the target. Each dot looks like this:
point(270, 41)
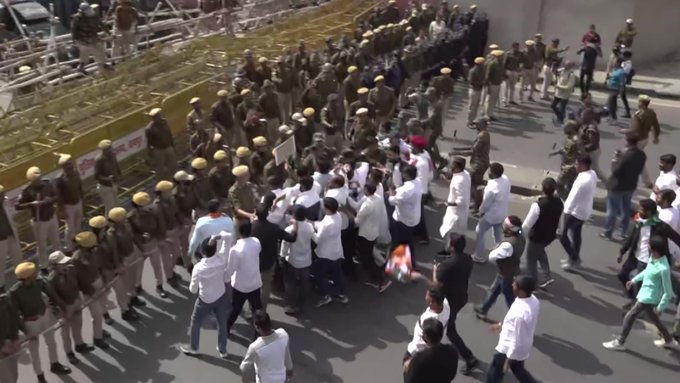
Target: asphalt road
point(364, 341)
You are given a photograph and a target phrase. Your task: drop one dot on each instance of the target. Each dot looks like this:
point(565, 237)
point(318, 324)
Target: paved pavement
point(365, 341)
point(660, 79)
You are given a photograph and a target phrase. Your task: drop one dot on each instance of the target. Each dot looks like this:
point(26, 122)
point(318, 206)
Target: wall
point(657, 22)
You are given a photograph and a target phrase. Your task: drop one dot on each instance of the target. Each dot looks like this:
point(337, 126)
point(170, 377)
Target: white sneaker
point(662, 343)
point(613, 345)
point(223, 355)
point(324, 301)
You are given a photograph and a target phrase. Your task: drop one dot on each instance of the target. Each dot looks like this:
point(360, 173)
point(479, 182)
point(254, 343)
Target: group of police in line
point(344, 104)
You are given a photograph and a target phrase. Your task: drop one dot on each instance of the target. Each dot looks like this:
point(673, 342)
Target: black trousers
point(628, 270)
point(496, 372)
point(624, 99)
point(365, 250)
point(572, 228)
point(238, 300)
point(420, 231)
point(348, 237)
point(454, 337)
point(586, 75)
point(402, 235)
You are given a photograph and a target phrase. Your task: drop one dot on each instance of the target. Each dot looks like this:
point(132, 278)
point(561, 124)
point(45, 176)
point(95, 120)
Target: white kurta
point(456, 217)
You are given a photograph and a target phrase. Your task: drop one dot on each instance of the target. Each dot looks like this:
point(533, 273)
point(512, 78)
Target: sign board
point(284, 151)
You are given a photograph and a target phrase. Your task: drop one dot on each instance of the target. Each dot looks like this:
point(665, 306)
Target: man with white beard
point(458, 202)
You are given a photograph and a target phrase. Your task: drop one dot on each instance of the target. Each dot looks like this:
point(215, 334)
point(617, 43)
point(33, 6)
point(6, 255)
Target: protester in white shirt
point(268, 355)
point(372, 222)
point(406, 216)
point(437, 27)
point(425, 173)
point(493, 210)
point(438, 308)
point(577, 210)
point(307, 198)
point(298, 257)
point(243, 267)
point(516, 337)
point(208, 279)
point(458, 202)
point(667, 177)
point(329, 251)
point(338, 189)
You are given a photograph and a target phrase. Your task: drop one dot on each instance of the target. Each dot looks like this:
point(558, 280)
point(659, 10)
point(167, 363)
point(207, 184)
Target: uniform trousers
point(95, 50)
point(125, 42)
point(9, 369)
point(547, 81)
point(74, 217)
point(171, 251)
point(644, 177)
point(273, 124)
point(511, 84)
point(184, 231)
point(35, 327)
point(152, 250)
point(492, 99)
point(528, 81)
point(97, 307)
point(285, 105)
point(46, 234)
point(10, 249)
point(475, 100)
point(73, 328)
point(164, 162)
point(121, 285)
point(109, 196)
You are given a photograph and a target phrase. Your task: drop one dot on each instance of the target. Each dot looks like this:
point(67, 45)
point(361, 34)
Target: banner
point(284, 151)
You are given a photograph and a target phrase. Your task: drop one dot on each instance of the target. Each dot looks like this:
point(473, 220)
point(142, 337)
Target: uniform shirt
point(222, 115)
point(327, 237)
point(479, 159)
point(528, 59)
point(645, 121)
point(87, 270)
point(513, 60)
point(126, 17)
point(11, 322)
point(579, 203)
point(406, 202)
point(243, 266)
point(269, 103)
point(208, 277)
point(384, 100)
point(665, 181)
point(494, 207)
point(476, 77)
point(158, 135)
point(494, 72)
point(656, 286)
point(299, 253)
point(62, 288)
point(43, 192)
point(221, 180)
point(517, 331)
point(27, 298)
point(69, 189)
point(104, 167)
point(242, 197)
point(270, 356)
point(6, 227)
point(417, 343)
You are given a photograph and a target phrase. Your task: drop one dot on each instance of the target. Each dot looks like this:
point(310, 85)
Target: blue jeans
point(618, 203)
point(496, 370)
point(330, 270)
point(500, 285)
point(480, 231)
point(221, 309)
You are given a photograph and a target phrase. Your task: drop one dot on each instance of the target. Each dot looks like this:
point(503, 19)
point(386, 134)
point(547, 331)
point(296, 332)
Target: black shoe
point(137, 301)
point(108, 320)
point(59, 369)
point(130, 315)
point(106, 334)
point(174, 281)
point(190, 269)
point(161, 293)
point(41, 378)
point(101, 343)
point(469, 366)
point(83, 348)
point(44, 272)
point(139, 290)
point(72, 358)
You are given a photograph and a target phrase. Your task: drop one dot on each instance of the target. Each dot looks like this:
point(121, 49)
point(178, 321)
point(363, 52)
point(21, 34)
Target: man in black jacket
point(452, 274)
point(647, 225)
point(626, 169)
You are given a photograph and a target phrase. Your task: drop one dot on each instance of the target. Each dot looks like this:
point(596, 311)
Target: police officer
point(98, 226)
point(476, 80)
point(64, 294)
point(443, 84)
point(39, 197)
point(479, 160)
point(552, 59)
point(528, 62)
point(242, 195)
point(243, 155)
point(434, 123)
point(326, 83)
point(69, 188)
point(269, 104)
point(284, 80)
point(201, 186)
point(259, 159)
point(384, 99)
point(148, 230)
point(540, 53)
point(626, 36)
point(363, 129)
point(248, 67)
point(10, 246)
point(333, 121)
point(121, 240)
point(186, 203)
point(196, 119)
point(222, 118)
point(362, 102)
point(350, 85)
point(494, 76)
point(9, 340)
point(161, 145)
point(513, 59)
point(220, 176)
point(107, 173)
point(570, 151)
point(27, 296)
point(166, 206)
point(263, 72)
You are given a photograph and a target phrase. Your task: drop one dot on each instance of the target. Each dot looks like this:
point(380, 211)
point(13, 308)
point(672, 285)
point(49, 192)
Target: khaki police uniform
point(87, 265)
point(69, 188)
point(161, 147)
point(476, 79)
point(9, 338)
point(167, 209)
point(107, 173)
point(64, 293)
point(10, 246)
point(148, 229)
point(495, 74)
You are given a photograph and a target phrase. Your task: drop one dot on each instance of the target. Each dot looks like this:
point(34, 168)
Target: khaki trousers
point(164, 162)
point(266, 290)
point(74, 217)
point(183, 237)
point(33, 328)
point(73, 328)
point(446, 102)
point(335, 142)
point(95, 50)
point(642, 144)
point(172, 251)
point(9, 369)
point(109, 196)
point(528, 80)
point(46, 234)
point(121, 286)
point(97, 308)
point(493, 91)
point(272, 130)
point(547, 81)
point(510, 85)
point(10, 249)
point(285, 105)
point(152, 251)
point(133, 275)
point(475, 98)
point(125, 43)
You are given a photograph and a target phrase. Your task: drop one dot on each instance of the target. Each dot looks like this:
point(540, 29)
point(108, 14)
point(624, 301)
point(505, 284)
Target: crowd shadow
point(570, 356)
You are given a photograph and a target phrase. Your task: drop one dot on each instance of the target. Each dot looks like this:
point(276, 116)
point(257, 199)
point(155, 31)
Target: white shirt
point(244, 264)
point(299, 253)
point(504, 250)
point(278, 212)
point(424, 168)
point(459, 189)
point(307, 199)
point(406, 202)
point(671, 216)
point(208, 276)
point(340, 195)
point(494, 205)
point(372, 216)
point(665, 181)
point(579, 203)
point(327, 237)
point(676, 203)
point(642, 253)
point(531, 218)
point(396, 175)
point(517, 332)
point(270, 356)
point(418, 344)
point(436, 28)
